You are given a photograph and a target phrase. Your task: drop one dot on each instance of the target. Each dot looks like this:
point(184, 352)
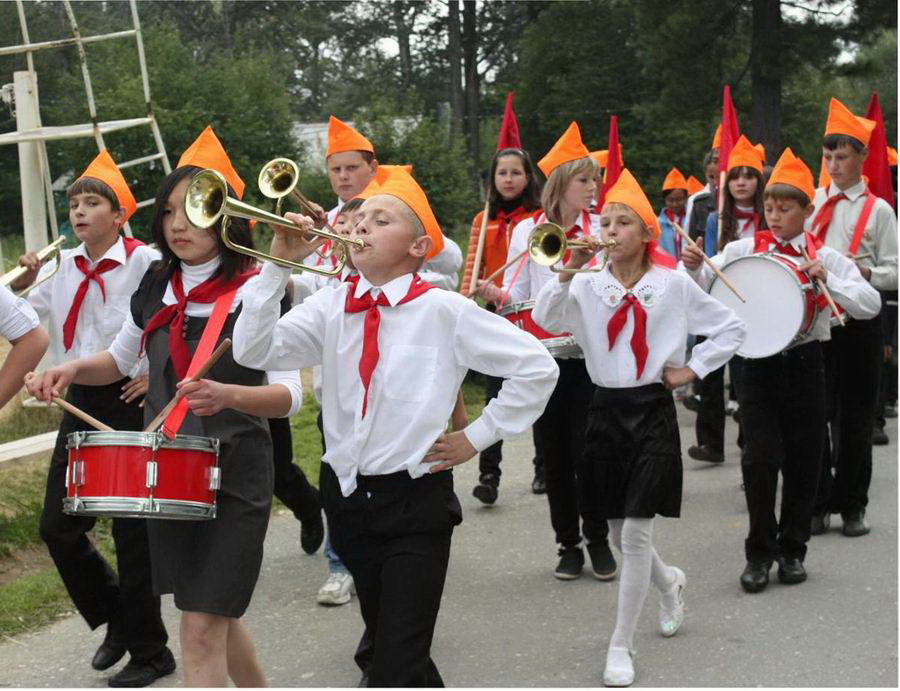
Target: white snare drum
point(559, 345)
point(781, 301)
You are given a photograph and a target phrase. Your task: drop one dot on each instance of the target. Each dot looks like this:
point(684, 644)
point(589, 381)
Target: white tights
point(633, 537)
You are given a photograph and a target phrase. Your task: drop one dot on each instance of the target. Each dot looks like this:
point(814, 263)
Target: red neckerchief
point(673, 218)
point(638, 337)
point(368, 359)
point(174, 315)
point(748, 216)
point(103, 266)
point(822, 220)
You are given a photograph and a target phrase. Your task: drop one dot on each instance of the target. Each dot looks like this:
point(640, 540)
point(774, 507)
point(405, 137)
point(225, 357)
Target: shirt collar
point(200, 272)
point(395, 290)
point(852, 193)
point(116, 252)
point(798, 242)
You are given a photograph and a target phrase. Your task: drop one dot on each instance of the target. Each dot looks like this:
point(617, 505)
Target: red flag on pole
point(509, 127)
point(876, 165)
point(613, 163)
point(730, 131)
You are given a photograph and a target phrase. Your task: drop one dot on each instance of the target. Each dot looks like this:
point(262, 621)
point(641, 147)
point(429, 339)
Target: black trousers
point(853, 362)
point(489, 459)
point(559, 441)
point(782, 401)
point(291, 485)
point(125, 602)
point(887, 391)
point(710, 424)
point(393, 533)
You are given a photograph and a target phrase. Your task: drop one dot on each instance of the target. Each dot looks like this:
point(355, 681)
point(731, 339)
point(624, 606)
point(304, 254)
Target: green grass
point(32, 601)
point(27, 422)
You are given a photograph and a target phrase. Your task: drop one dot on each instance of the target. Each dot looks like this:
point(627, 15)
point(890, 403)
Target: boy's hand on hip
point(673, 377)
point(449, 450)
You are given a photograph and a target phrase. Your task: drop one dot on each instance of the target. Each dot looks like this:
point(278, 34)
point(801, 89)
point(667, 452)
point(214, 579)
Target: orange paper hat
point(568, 147)
point(892, 156)
point(674, 181)
point(790, 170)
point(627, 191)
point(744, 154)
point(824, 177)
point(842, 121)
point(104, 169)
point(400, 184)
point(342, 137)
point(207, 152)
point(762, 151)
point(383, 173)
point(717, 137)
point(601, 157)
point(694, 185)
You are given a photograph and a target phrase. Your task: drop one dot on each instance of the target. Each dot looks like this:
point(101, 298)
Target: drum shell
point(141, 475)
point(559, 345)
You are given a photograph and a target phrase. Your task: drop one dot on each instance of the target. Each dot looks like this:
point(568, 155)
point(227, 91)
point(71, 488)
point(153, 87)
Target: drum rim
point(133, 438)
point(139, 507)
point(516, 307)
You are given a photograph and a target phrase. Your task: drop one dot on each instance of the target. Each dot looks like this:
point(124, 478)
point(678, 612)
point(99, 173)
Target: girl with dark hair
point(211, 567)
point(513, 195)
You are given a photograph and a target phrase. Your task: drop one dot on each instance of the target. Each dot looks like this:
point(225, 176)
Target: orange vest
point(496, 244)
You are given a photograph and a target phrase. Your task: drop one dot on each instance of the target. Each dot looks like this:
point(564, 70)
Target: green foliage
point(32, 601)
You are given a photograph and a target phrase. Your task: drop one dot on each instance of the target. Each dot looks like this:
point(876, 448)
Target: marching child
point(513, 195)
point(855, 222)
point(186, 304)
point(782, 397)
point(20, 325)
point(632, 320)
point(675, 194)
point(559, 433)
point(382, 483)
point(86, 302)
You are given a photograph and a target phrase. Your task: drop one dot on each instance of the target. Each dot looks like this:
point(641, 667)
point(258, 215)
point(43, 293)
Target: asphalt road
point(506, 621)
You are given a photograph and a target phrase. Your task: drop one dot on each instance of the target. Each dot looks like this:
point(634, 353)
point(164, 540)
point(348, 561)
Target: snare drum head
point(775, 306)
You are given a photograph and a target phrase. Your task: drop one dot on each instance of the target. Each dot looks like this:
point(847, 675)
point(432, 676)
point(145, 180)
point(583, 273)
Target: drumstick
point(503, 268)
point(214, 356)
point(864, 255)
point(79, 413)
point(476, 266)
point(709, 262)
point(821, 284)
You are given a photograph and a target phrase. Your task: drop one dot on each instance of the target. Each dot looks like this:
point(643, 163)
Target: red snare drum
point(559, 345)
point(142, 475)
point(781, 301)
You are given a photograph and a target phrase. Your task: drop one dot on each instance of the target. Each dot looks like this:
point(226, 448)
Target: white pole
point(34, 211)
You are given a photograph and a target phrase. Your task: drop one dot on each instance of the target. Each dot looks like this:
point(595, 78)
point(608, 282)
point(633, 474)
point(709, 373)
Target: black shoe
point(363, 681)
point(486, 489)
point(603, 563)
point(571, 561)
point(539, 484)
point(312, 533)
point(820, 524)
point(706, 453)
point(855, 524)
point(790, 570)
point(756, 576)
point(880, 437)
point(138, 674)
point(691, 402)
point(109, 652)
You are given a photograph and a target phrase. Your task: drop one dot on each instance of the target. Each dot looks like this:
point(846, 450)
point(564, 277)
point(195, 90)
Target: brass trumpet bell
point(548, 244)
point(206, 200)
point(50, 250)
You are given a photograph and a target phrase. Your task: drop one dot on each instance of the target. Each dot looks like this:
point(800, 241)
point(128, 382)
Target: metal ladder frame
point(95, 128)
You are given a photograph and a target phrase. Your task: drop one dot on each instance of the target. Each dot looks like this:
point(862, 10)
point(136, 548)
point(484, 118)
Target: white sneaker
point(619, 670)
point(731, 407)
point(337, 590)
point(671, 621)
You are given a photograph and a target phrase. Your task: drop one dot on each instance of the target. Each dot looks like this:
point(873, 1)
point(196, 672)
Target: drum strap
point(208, 341)
point(861, 222)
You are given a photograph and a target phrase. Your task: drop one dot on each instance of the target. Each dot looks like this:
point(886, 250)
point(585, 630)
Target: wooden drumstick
point(476, 266)
point(214, 356)
point(821, 284)
point(709, 262)
point(79, 413)
point(502, 268)
point(864, 255)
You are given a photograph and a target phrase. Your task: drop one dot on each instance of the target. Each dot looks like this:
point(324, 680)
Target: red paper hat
point(207, 152)
point(103, 168)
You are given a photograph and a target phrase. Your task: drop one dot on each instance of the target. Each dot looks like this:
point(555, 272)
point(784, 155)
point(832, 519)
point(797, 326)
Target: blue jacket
point(711, 237)
point(666, 234)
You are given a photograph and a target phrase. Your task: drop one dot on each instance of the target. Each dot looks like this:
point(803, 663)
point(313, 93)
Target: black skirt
point(633, 453)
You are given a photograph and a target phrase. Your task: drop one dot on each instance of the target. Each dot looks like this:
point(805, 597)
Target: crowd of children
point(391, 342)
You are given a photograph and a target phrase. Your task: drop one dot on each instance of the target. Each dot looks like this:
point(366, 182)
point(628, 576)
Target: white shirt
point(126, 346)
point(98, 321)
point(17, 317)
point(675, 307)
point(426, 346)
point(879, 238)
point(746, 228)
point(532, 277)
point(845, 283)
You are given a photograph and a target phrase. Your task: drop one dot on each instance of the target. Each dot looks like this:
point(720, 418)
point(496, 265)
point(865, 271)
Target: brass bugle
point(547, 244)
point(44, 254)
point(206, 200)
point(278, 180)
